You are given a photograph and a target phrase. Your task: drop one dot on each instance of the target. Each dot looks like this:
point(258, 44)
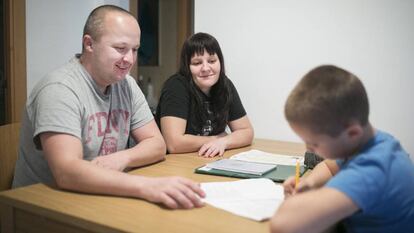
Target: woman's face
point(205, 70)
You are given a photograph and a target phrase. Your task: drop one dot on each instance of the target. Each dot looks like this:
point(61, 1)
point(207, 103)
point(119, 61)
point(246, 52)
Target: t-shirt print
point(207, 128)
point(106, 127)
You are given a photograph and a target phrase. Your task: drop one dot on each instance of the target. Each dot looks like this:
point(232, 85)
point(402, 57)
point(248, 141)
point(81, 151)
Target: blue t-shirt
point(380, 181)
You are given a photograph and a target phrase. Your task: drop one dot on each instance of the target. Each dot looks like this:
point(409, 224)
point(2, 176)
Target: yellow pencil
point(297, 173)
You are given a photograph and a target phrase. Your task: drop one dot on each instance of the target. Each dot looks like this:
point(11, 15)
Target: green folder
point(279, 174)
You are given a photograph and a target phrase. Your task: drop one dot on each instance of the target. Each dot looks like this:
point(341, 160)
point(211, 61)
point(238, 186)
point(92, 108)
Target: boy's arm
point(317, 178)
point(312, 211)
point(322, 173)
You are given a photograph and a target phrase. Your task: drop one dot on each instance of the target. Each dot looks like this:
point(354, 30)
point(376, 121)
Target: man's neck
point(83, 61)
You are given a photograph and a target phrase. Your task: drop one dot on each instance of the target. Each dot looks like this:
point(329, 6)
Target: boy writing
point(367, 178)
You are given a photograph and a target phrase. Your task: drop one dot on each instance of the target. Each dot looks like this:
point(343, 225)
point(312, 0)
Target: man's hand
point(111, 161)
point(173, 192)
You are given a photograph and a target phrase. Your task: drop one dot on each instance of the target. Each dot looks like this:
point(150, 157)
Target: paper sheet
point(265, 157)
point(257, 199)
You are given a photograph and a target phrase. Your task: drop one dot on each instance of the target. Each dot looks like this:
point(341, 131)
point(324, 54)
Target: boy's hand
point(290, 189)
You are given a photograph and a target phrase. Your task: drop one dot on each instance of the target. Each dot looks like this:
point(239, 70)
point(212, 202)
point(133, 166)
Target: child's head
point(329, 110)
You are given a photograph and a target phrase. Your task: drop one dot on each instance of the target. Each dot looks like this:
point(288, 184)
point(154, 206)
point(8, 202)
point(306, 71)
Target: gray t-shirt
point(69, 101)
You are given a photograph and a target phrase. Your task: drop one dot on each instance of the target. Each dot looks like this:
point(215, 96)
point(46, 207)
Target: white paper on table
point(257, 199)
point(265, 157)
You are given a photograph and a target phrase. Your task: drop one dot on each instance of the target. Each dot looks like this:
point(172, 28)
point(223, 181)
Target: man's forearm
point(148, 151)
point(83, 176)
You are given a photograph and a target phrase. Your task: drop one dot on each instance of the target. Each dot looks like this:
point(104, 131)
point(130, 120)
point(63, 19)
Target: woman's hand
point(215, 147)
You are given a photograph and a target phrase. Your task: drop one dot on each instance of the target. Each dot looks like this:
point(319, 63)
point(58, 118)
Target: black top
point(176, 100)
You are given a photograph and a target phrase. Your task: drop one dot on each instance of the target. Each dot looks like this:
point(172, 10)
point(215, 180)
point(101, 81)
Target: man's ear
point(87, 43)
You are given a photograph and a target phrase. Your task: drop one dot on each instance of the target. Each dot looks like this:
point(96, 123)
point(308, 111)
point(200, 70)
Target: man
point(78, 120)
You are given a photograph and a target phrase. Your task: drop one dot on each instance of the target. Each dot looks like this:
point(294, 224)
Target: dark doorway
point(3, 84)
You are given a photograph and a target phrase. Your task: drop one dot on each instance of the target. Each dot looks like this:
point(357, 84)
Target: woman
point(199, 101)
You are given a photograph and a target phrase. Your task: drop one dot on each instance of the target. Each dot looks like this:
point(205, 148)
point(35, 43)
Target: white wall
point(54, 33)
point(269, 45)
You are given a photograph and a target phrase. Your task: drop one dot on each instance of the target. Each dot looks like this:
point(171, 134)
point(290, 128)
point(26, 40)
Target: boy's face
point(328, 147)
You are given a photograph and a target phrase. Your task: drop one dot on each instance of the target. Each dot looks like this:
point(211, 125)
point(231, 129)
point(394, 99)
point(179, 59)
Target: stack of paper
point(257, 199)
point(241, 166)
point(264, 157)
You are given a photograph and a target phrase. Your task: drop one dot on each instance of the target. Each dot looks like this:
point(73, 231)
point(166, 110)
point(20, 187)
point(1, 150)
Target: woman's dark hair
point(220, 93)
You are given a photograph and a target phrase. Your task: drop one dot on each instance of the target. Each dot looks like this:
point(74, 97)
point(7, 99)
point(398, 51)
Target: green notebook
point(279, 174)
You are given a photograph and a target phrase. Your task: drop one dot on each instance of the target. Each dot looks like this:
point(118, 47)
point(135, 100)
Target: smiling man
point(79, 117)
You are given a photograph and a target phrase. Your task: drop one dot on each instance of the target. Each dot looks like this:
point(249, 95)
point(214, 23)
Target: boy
point(371, 183)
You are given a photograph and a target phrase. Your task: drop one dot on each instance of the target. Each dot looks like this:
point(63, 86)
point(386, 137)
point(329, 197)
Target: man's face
point(115, 52)
point(328, 147)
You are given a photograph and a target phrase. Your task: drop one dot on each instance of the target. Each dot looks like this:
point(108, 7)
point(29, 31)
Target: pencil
point(297, 173)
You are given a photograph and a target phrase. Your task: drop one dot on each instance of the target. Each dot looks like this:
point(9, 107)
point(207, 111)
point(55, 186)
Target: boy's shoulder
point(381, 160)
point(381, 150)
point(376, 180)
point(383, 146)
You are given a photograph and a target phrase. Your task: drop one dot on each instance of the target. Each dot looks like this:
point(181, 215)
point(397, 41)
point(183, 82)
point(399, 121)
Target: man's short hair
point(326, 100)
point(94, 25)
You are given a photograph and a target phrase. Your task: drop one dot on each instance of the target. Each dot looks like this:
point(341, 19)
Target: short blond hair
point(94, 25)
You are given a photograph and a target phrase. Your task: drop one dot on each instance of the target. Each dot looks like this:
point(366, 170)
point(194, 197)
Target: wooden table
point(39, 208)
